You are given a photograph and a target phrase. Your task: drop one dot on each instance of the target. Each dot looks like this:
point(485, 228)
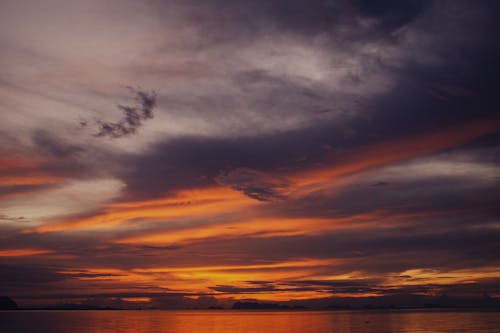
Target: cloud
point(258, 99)
point(391, 14)
point(8, 218)
point(25, 279)
point(48, 143)
point(255, 184)
point(133, 116)
point(236, 289)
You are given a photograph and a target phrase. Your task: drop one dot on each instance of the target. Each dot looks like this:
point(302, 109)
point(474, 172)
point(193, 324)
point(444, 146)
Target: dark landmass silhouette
point(6, 303)
point(393, 302)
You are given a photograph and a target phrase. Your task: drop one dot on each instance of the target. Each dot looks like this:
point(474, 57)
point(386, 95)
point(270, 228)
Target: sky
point(195, 153)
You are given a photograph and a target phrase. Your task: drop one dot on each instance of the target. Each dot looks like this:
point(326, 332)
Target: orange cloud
point(418, 276)
point(186, 203)
point(273, 265)
point(23, 252)
point(218, 200)
point(16, 162)
point(17, 170)
point(262, 227)
point(137, 299)
point(28, 180)
point(201, 279)
point(373, 156)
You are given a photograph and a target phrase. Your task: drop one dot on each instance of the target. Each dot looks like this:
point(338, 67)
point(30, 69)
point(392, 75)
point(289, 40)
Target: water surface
point(416, 321)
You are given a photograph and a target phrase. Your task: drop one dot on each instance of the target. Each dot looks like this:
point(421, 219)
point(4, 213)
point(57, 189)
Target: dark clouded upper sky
point(187, 153)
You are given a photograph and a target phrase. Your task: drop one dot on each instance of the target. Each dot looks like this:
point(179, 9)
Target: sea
point(225, 321)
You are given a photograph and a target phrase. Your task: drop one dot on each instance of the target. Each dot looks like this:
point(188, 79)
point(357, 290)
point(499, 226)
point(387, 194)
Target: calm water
point(249, 321)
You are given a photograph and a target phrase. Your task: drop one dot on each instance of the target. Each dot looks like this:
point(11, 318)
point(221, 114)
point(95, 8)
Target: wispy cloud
point(133, 115)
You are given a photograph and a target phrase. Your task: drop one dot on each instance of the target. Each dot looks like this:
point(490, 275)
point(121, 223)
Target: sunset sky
point(186, 153)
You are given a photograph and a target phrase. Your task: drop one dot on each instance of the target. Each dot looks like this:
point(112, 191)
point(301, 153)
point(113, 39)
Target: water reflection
point(249, 321)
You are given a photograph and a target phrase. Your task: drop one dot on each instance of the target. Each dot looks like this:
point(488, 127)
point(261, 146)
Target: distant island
point(6, 303)
point(370, 303)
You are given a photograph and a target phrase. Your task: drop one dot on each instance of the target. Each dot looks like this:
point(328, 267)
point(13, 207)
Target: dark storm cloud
point(133, 116)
